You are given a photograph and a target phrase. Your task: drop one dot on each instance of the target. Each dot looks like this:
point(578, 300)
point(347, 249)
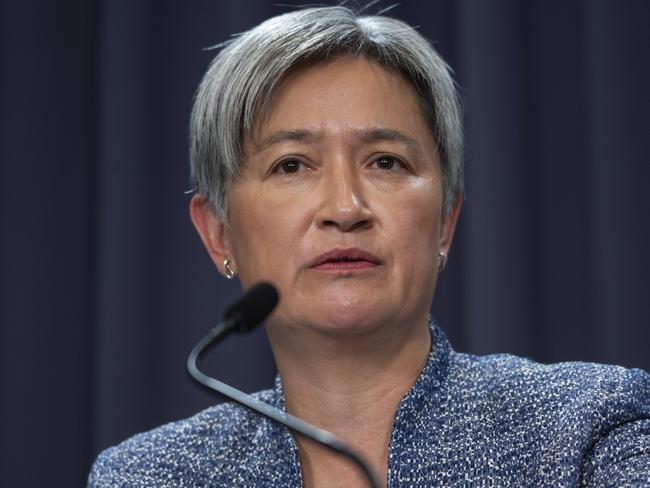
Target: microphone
point(242, 316)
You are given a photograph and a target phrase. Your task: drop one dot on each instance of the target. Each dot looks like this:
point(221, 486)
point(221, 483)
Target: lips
point(345, 259)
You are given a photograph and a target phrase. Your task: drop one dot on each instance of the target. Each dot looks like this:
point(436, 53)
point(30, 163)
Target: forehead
point(347, 94)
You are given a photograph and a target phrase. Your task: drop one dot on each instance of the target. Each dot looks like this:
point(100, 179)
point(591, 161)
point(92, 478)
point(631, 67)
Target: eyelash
point(279, 168)
point(394, 160)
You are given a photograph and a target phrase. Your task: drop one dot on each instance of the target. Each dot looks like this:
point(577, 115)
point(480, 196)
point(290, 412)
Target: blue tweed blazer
point(484, 421)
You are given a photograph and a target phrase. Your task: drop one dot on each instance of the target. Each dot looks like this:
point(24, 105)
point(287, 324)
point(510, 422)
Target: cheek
point(420, 225)
point(247, 234)
point(265, 236)
point(418, 221)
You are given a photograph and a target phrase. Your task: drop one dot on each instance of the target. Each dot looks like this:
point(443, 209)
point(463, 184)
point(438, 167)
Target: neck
point(350, 385)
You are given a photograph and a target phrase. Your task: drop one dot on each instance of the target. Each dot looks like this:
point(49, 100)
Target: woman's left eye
point(388, 162)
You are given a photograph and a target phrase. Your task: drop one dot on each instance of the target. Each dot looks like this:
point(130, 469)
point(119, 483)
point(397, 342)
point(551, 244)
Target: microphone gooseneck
point(243, 316)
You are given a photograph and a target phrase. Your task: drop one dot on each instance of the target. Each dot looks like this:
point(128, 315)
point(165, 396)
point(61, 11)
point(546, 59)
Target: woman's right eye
point(288, 166)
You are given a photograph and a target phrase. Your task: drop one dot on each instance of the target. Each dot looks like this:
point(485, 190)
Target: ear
point(214, 233)
point(449, 225)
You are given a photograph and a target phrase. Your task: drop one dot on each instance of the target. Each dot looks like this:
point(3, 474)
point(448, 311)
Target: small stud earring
point(230, 274)
point(442, 261)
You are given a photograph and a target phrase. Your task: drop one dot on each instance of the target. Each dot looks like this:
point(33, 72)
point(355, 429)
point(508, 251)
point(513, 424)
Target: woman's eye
point(289, 166)
point(388, 162)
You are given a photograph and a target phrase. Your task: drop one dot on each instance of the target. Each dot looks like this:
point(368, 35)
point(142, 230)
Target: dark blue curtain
point(105, 286)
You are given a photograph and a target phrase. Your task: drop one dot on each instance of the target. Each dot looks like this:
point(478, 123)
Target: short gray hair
point(236, 91)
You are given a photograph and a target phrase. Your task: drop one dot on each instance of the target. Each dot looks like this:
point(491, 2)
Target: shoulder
point(181, 451)
point(504, 366)
point(512, 377)
point(576, 396)
point(571, 420)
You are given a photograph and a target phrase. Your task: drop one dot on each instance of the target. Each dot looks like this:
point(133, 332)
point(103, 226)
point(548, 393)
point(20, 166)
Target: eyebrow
point(379, 134)
point(298, 135)
point(375, 134)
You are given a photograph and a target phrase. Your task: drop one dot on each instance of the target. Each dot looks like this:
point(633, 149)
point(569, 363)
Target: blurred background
point(105, 287)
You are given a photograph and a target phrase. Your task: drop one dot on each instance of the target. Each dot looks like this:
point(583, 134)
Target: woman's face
point(340, 201)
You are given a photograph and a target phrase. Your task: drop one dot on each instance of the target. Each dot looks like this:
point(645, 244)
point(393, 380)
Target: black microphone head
point(251, 309)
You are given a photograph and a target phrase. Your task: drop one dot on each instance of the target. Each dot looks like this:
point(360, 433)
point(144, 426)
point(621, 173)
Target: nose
point(343, 205)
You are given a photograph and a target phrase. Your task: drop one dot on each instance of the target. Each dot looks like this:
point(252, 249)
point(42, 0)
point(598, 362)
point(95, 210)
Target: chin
point(347, 308)
point(347, 318)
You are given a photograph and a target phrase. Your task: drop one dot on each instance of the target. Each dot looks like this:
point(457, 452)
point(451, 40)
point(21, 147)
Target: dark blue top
point(467, 421)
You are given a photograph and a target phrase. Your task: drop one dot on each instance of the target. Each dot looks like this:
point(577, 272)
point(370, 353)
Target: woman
point(327, 154)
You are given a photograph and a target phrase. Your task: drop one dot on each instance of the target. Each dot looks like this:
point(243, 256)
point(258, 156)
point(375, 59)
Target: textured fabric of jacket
point(484, 421)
